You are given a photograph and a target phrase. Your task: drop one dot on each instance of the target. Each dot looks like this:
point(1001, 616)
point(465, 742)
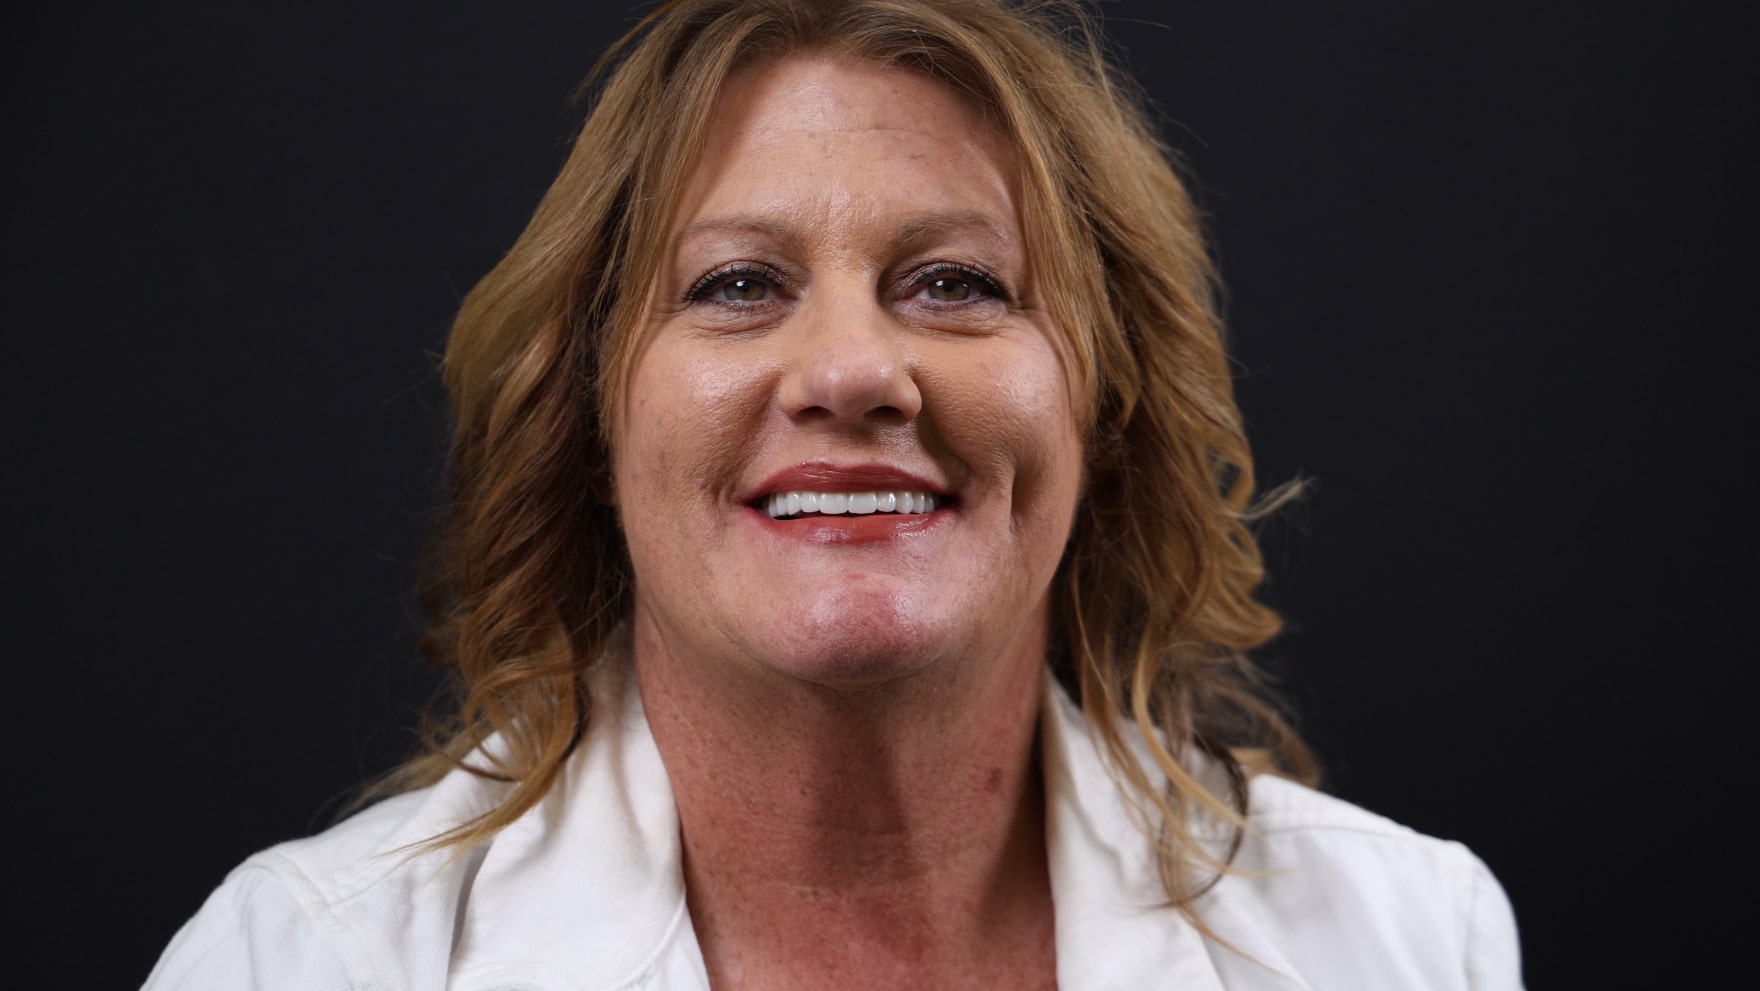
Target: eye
point(949, 290)
point(738, 284)
point(956, 284)
point(743, 290)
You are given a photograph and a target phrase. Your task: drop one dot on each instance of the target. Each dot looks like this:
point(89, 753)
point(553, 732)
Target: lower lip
point(850, 529)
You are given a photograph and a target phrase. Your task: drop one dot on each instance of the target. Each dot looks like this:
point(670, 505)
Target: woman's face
point(846, 312)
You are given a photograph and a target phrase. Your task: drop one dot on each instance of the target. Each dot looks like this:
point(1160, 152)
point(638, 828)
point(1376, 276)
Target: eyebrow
point(910, 231)
point(928, 226)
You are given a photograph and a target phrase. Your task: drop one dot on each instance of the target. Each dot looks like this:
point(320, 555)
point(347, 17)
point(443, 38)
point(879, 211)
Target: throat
point(895, 916)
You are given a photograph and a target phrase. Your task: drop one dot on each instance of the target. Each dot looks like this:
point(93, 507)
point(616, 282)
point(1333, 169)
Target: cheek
point(687, 418)
point(1010, 417)
point(1051, 467)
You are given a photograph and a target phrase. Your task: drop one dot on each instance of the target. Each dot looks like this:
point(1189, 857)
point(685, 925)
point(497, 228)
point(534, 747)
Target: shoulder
point(1340, 885)
point(253, 924)
point(358, 906)
point(1297, 830)
point(583, 890)
point(1280, 806)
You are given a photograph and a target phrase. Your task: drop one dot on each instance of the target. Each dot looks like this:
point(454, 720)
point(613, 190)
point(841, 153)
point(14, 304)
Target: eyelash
point(984, 283)
point(701, 291)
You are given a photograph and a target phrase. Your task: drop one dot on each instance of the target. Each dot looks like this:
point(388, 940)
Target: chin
point(854, 642)
point(855, 675)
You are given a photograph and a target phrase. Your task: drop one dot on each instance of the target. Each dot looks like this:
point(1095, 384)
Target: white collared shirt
point(585, 892)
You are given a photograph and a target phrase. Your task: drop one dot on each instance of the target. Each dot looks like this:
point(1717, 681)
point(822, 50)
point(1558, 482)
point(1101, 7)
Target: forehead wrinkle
point(929, 227)
point(767, 228)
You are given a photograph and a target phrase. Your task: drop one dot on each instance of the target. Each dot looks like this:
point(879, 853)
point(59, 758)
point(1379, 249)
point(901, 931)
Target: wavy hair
point(528, 579)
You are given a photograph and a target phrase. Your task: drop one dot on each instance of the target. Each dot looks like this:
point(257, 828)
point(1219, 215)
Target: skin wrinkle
point(908, 232)
point(850, 727)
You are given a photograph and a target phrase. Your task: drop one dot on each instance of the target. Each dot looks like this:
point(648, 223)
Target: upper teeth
point(856, 503)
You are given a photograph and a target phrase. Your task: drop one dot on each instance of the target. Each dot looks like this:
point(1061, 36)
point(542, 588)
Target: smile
point(788, 505)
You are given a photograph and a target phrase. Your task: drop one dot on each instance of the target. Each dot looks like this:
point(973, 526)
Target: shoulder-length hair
point(529, 579)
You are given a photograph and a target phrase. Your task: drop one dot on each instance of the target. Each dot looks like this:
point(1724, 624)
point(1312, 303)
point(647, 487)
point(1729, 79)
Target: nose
point(849, 366)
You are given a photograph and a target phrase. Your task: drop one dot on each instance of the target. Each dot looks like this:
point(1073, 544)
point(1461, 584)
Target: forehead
point(816, 140)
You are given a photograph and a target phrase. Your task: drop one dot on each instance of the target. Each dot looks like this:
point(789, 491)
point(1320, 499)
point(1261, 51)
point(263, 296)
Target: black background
point(1491, 266)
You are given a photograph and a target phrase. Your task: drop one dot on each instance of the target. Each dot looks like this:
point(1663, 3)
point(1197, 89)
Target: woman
point(848, 579)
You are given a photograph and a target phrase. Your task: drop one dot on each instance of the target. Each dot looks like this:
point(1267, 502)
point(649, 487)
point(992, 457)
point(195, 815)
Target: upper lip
point(822, 476)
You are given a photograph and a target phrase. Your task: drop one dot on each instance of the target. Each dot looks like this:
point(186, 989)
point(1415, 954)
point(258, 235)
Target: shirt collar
point(587, 889)
point(1115, 928)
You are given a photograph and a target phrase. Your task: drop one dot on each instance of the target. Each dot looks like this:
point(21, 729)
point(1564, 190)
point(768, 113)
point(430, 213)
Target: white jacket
point(586, 893)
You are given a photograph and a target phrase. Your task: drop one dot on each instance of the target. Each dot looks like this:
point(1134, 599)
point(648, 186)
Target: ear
point(600, 469)
point(604, 483)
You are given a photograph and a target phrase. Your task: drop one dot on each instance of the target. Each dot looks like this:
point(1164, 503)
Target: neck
point(900, 825)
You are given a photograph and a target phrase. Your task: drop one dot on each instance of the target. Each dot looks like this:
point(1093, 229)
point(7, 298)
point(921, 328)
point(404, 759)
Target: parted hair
point(528, 579)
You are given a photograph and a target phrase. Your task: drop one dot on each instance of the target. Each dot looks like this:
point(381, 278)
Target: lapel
point(1115, 931)
point(587, 890)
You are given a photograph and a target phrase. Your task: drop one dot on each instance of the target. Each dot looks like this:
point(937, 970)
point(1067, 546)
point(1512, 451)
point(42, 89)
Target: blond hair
point(1154, 608)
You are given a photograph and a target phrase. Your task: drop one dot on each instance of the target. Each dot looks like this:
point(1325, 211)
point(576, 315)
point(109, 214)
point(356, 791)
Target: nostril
point(883, 414)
